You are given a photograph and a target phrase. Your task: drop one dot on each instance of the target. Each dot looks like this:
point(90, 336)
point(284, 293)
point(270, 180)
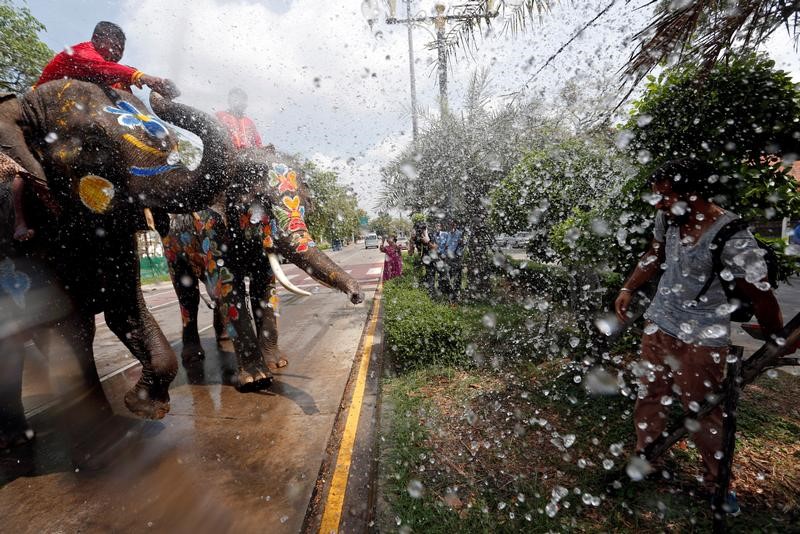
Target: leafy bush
point(420, 331)
point(743, 110)
point(549, 183)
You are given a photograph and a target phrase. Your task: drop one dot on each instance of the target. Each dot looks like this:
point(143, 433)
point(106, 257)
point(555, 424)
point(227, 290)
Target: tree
point(740, 119)
point(22, 54)
point(335, 207)
point(553, 183)
point(703, 32)
point(456, 162)
point(382, 224)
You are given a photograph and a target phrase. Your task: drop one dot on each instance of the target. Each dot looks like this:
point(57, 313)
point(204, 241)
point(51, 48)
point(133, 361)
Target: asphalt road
point(221, 460)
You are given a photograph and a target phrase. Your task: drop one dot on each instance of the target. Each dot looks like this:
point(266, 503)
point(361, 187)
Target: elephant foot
point(145, 404)
point(253, 376)
point(275, 359)
point(280, 363)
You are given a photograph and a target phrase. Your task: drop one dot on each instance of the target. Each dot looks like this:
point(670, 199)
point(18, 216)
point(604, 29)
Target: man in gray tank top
point(686, 338)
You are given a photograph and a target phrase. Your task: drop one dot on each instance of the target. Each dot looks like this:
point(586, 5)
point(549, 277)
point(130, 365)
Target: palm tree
point(702, 31)
point(705, 31)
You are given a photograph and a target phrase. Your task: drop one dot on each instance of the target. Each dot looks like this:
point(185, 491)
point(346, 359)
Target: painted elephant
point(260, 214)
point(105, 158)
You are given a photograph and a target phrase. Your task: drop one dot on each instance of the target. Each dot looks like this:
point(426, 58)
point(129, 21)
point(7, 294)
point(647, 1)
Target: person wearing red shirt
point(241, 129)
point(93, 61)
point(98, 61)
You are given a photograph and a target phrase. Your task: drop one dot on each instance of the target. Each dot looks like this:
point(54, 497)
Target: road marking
point(332, 513)
point(375, 270)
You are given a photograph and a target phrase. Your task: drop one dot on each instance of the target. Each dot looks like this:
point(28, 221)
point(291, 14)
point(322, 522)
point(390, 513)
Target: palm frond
point(475, 15)
point(706, 30)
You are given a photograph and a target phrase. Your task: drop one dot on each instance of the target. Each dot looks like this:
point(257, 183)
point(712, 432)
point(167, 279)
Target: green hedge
point(421, 332)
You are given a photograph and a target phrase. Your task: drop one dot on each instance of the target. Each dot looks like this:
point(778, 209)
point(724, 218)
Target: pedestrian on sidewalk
point(393, 264)
point(452, 256)
point(686, 337)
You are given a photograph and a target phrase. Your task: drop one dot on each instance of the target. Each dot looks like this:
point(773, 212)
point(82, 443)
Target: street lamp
point(439, 21)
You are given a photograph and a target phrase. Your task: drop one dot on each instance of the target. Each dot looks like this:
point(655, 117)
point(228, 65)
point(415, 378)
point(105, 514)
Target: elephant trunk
point(182, 190)
point(317, 264)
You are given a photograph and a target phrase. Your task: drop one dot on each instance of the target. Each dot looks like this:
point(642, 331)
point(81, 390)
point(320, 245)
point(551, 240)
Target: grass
point(155, 279)
point(483, 439)
point(489, 449)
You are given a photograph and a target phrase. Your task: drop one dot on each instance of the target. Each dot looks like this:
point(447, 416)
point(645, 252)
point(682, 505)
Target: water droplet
point(415, 489)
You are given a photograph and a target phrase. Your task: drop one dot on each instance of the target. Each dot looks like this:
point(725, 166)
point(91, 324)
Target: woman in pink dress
point(393, 264)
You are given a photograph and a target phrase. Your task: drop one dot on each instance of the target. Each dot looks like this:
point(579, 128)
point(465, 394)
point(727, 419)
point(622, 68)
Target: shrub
point(420, 331)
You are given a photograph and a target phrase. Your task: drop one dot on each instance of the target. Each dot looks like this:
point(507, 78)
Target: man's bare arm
point(647, 267)
point(765, 307)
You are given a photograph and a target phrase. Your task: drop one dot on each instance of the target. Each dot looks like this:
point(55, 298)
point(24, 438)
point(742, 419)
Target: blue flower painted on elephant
point(132, 118)
point(14, 283)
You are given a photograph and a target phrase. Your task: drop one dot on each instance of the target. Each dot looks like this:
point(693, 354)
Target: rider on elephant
point(93, 61)
point(98, 61)
point(241, 128)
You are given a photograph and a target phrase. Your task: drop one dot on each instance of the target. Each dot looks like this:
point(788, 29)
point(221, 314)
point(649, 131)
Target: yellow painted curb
point(332, 513)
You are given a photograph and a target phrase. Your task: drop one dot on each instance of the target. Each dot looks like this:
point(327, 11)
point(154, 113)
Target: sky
point(323, 84)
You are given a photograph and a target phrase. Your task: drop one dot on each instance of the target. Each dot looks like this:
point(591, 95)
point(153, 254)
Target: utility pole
point(439, 21)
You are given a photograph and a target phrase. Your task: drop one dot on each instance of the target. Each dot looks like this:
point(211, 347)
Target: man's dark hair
point(684, 175)
point(108, 30)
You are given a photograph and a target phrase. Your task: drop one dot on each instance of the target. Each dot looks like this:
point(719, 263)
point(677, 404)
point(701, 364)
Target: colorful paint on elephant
point(291, 214)
point(204, 257)
point(131, 117)
point(96, 193)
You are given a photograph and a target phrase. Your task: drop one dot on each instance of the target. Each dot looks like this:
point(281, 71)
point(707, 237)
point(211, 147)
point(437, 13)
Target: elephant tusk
point(281, 276)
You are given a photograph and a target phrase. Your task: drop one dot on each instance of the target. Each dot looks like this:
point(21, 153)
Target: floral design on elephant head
point(130, 117)
point(282, 177)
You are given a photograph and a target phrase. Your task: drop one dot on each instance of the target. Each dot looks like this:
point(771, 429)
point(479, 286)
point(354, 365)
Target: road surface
point(221, 460)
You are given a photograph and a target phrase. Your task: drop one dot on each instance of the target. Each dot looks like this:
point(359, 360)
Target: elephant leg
point(187, 288)
point(128, 317)
point(14, 428)
point(264, 303)
point(220, 329)
point(253, 372)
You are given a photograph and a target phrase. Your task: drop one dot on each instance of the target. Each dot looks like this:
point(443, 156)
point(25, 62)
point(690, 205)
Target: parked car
point(402, 242)
point(502, 240)
point(371, 241)
point(521, 239)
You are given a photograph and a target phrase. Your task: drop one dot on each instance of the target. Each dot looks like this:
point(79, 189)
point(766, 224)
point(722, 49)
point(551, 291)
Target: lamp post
point(439, 21)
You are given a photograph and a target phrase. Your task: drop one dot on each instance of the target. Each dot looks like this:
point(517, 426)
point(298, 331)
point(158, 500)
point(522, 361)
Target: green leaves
point(334, 213)
point(22, 54)
point(744, 110)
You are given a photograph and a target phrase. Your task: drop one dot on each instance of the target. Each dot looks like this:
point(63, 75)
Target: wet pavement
point(220, 461)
